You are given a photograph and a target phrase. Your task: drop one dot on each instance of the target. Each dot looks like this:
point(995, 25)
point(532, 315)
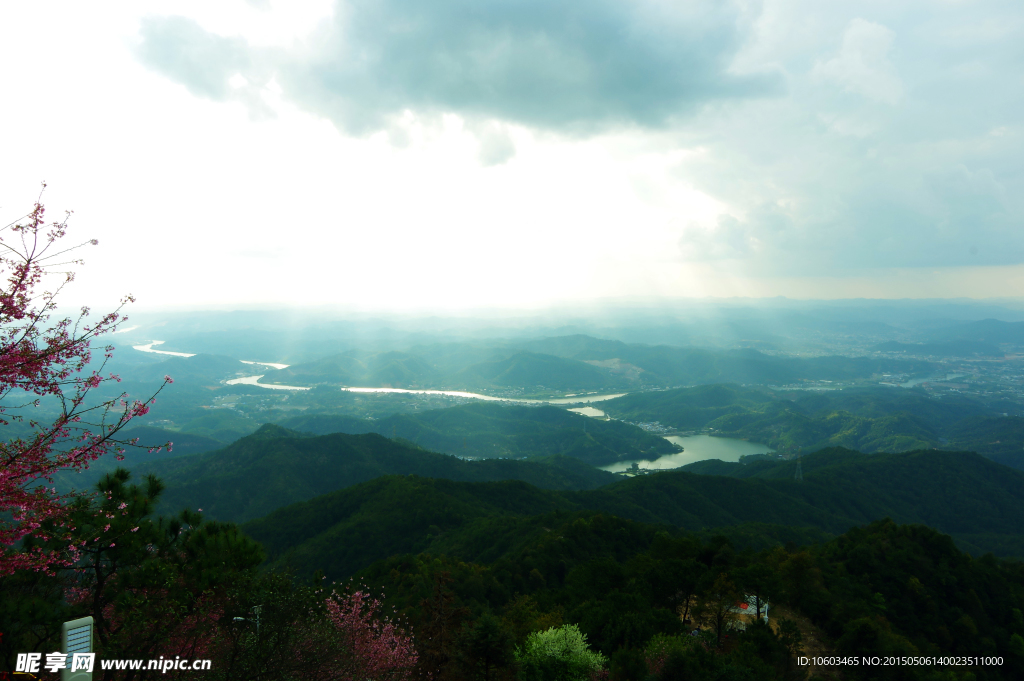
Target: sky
point(403, 155)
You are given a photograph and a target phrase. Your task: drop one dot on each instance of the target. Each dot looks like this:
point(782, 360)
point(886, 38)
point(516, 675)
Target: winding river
point(695, 448)
point(254, 380)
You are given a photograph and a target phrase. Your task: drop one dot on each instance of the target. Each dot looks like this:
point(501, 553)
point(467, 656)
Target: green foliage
point(487, 648)
point(151, 584)
point(558, 654)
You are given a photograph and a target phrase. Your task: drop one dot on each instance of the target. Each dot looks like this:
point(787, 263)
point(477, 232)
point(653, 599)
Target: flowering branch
point(40, 360)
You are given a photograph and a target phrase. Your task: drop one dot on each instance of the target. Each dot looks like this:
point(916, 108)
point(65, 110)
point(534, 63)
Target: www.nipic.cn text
point(31, 663)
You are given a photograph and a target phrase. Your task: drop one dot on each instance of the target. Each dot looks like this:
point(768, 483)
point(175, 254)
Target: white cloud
point(894, 146)
point(863, 64)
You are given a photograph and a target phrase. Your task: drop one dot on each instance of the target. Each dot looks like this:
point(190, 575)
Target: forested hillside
point(865, 419)
point(578, 362)
point(979, 503)
point(880, 590)
point(488, 430)
point(275, 467)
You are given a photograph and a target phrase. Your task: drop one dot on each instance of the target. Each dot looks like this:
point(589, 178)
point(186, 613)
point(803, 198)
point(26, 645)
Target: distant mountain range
point(990, 331)
point(577, 363)
point(951, 348)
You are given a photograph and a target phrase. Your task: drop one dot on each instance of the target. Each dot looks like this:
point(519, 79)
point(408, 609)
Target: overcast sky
point(403, 154)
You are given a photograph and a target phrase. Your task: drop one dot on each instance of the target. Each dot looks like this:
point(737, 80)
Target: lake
point(696, 448)
point(589, 411)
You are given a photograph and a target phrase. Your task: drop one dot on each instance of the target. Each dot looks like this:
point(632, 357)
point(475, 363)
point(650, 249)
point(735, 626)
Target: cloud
point(863, 65)
point(840, 139)
point(898, 145)
point(496, 145)
point(566, 66)
point(183, 51)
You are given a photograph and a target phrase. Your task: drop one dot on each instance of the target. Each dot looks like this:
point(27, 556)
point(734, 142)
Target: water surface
point(695, 448)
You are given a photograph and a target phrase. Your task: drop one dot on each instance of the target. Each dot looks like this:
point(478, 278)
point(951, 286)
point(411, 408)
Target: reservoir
point(696, 448)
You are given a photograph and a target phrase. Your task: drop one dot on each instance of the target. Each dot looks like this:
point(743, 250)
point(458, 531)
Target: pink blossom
point(44, 360)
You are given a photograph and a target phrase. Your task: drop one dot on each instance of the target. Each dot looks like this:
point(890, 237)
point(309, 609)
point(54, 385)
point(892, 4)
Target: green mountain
point(348, 530)
point(1000, 438)
point(790, 430)
point(669, 365)
point(274, 467)
point(975, 500)
point(539, 371)
point(984, 331)
point(196, 369)
point(184, 444)
point(953, 348)
point(490, 430)
point(579, 362)
point(865, 419)
point(689, 408)
point(358, 368)
point(959, 493)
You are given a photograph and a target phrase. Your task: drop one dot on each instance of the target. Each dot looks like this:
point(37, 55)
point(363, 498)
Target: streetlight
point(256, 610)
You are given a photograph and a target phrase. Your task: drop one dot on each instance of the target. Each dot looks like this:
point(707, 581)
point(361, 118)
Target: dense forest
point(547, 594)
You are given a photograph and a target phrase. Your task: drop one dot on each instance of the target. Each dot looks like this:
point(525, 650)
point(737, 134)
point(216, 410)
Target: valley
point(552, 474)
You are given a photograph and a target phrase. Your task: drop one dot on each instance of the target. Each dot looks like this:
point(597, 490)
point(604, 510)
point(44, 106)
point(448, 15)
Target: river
point(695, 448)
point(254, 380)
